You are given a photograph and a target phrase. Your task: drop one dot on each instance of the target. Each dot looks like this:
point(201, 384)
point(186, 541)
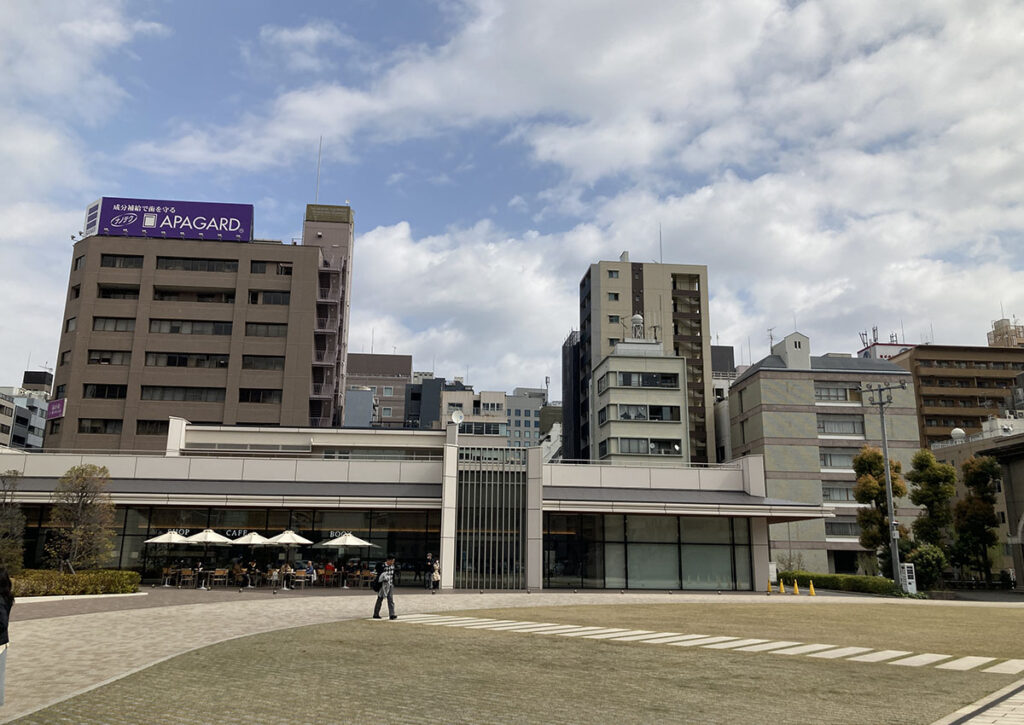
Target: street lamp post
point(876, 397)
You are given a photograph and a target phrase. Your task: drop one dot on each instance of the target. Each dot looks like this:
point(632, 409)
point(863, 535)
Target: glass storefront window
point(185, 521)
point(137, 521)
point(744, 578)
point(614, 566)
point(614, 527)
point(238, 522)
point(705, 530)
point(653, 566)
point(335, 523)
point(707, 567)
point(651, 528)
point(741, 531)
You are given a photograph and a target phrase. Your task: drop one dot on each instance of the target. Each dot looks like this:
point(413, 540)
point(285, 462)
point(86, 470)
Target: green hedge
point(49, 582)
point(841, 582)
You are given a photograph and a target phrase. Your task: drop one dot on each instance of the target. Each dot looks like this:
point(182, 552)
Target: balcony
point(326, 324)
point(325, 356)
point(321, 390)
point(328, 294)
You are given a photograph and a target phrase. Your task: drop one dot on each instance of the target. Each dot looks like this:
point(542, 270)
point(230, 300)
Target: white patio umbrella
point(288, 539)
point(251, 539)
point(347, 539)
point(207, 537)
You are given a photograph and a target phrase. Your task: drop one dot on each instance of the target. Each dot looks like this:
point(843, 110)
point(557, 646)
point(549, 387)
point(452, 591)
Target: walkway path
point(61, 649)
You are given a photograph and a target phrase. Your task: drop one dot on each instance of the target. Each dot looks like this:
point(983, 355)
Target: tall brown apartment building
point(182, 313)
point(960, 386)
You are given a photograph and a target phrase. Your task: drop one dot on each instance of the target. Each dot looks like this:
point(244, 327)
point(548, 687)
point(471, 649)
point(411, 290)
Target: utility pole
point(881, 395)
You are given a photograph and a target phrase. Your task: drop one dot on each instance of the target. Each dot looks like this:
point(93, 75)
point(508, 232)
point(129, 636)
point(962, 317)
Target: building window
point(182, 393)
point(633, 445)
point(105, 426)
point(613, 341)
point(385, 412)
point(257, 267)
point(389, 391)
point(262, 362)
point(151, 427)
point(77, 264)
point(838, 494)
point(797, 344)
point(192, 264)
point(269, 297)
point(259, 395)
point(613, 296)
point(65, 357)
point(284, 269)
point(602, 416)
point(662, 447)
point(113, 324)
point(110, 357)
point(76, 291)
point(186, 360)
point(614, 319)
point(602, 449)
point(613, 274)
point(839, 392)
point(54, 427)
point(836, 457)
point(850, 425)
point(97, 390)
point(118, 293)
point(842, 528)
point(121, 261)
point(190, 327)
point(61, 391)
point(71, 324)
point(647, 380)
point(265, 329)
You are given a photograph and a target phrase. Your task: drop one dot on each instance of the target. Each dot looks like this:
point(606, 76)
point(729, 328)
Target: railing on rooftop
point(650, 463)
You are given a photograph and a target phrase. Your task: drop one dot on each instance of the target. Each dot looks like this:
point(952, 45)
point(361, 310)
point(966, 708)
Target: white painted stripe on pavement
point(645, 637)
point(465, 623)
point(768, 646)
point(513, 627)
point(548, 628)
point(833, 654)
point(921, 660)
point(880, 656)
point(737, 643)
point(456, 620)
point(1010, 667)
point(803, 649)
point(965, 663)
point(610, 635)
point(591, 630)
point(695, 642)
point(676, 638)
point(492, 623)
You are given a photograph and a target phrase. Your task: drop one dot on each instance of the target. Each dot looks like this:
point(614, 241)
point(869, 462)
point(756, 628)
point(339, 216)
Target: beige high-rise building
point(221, 332)
point(673, 301)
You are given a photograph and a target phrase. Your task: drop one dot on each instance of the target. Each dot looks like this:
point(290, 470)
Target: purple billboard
point(55, 409)
point(113, 216)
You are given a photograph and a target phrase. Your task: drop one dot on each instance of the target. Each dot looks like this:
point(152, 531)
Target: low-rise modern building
point(501, 519)
point(960, 386)
point(808, 417)
point(387, 376)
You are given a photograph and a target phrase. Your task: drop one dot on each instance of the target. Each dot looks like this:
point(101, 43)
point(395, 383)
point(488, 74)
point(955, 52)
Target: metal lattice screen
point(490, 539)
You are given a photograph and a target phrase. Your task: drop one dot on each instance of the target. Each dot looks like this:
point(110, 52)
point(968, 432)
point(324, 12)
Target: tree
point(974, 516)
point(12, 524)
point(81, 519)
point(869, 465)
point(933, 486)
point(929, 562)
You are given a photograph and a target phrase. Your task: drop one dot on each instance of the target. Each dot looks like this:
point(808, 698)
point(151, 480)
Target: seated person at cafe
point(287, 576)
point(237, 572)
point(252, 574)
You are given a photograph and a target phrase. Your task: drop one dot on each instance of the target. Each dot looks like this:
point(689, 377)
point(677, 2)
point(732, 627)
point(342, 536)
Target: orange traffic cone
point(782, 586)
point(796, 587)
point(812, 588)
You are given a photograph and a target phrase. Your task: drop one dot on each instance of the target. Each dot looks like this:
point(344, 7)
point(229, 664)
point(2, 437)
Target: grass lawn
point(394, 672)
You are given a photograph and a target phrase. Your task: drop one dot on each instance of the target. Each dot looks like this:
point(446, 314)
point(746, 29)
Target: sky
point(838, 166)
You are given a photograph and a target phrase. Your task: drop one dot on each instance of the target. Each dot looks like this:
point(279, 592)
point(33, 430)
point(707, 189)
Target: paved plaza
point(64, 648)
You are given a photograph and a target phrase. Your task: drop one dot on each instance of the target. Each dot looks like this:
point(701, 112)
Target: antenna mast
point(319, 154)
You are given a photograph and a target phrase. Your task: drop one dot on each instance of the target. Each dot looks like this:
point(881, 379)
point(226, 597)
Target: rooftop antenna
point(371, 340)
point(319, 154)
point(904, 332)
point(771, 340)
point(661, 254)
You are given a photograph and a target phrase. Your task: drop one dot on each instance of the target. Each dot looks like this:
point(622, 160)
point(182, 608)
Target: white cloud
point(304, 49)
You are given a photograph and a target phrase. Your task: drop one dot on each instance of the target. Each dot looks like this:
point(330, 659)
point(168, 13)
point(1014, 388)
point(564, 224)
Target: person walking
point(6, 602)
point(428, 571)
point(386, 580)
point(435, 577)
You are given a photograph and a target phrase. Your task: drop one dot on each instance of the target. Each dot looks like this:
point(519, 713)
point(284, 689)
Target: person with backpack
point(384, 585)
point(6, 602)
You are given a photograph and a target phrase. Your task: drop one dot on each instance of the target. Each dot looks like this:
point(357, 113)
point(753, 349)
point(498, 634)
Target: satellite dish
point(457, 417)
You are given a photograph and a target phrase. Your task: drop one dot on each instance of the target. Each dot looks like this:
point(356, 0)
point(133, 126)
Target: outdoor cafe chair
point(299, 578)
point(186, 577)
point(220, 576)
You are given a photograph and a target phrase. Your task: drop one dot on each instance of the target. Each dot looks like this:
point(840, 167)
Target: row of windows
point(483, 429)
point(188, 264)
point(638, 380)
point(110, 426)
point(658, 413)
point(183, 327)
point(838, 392)
point(388, 390)
point(180, 359)
point(182, 393)
point(840, 424)
point(640, 446)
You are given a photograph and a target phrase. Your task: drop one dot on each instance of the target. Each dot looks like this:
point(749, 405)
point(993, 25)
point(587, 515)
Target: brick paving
point(64, 648)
